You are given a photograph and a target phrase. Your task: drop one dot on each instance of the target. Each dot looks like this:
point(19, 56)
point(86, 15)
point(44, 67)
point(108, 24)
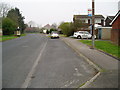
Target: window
point(86, 32)
point(81, 32)
point(83, 21)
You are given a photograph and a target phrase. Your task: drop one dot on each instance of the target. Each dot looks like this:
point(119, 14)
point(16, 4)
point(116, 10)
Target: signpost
point(90, 16)
point(90, 12)
point(92, 22)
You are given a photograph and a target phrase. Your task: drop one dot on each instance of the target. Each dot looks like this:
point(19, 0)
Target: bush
point(67, 28)
point(47, 32)
point(8, 26)
point(52, 30)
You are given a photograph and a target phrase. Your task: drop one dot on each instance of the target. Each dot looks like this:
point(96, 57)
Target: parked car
point(82, 34)
point(54, 34)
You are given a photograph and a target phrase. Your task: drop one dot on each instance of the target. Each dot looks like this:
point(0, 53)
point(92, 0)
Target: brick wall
point(115, 32)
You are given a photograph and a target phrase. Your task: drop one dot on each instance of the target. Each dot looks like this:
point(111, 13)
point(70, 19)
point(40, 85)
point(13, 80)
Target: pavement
point(106, 65)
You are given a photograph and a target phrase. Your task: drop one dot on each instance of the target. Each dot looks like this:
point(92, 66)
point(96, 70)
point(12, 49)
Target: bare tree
point(39, 25)
point(31, 24)
point(54, 25)
point(4, 8)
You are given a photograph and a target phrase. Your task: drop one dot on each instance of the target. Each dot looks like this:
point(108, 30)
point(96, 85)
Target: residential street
point(0, 65)
point(36, 61)
point(59, 44)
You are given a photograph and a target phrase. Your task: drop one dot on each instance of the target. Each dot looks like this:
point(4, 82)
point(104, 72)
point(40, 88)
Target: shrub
point(67, 28)
point(47, 32)
point(8, 26)
point(52, 29)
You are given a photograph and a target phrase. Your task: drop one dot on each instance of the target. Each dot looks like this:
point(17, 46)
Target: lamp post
point(93, 22)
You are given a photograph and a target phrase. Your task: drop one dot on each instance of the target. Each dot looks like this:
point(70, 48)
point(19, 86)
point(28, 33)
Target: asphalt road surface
point(0, 65)
point(36, 61)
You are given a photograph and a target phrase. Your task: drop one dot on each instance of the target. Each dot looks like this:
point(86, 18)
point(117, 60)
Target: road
point(0, 65)
point(36, 61)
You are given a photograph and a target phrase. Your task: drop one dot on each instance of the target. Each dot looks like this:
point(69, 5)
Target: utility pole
point(93, 22)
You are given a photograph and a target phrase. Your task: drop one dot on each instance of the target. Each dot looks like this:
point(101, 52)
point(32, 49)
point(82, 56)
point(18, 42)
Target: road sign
point(89, 12)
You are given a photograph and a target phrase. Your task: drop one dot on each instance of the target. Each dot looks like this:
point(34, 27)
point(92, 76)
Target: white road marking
point(90, 81)
point(68, 83)
point(28, 78)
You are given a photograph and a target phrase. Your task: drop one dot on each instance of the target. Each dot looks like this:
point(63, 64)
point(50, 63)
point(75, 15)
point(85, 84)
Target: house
point(44, 31)
point(54, 26)
point(47, 27)
point(32, 29)
point(115, 32)
point(108, 20)
point(99, 19)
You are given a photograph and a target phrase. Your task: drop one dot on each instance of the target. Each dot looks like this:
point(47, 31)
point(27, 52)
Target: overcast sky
point(45, 12)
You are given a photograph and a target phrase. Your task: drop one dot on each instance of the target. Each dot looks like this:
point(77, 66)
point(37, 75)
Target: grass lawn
point(9, 37)
point(105, 46)
point(62, 35)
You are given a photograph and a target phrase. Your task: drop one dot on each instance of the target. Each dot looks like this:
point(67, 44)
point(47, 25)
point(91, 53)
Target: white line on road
point(90, 81)
point(28, 78)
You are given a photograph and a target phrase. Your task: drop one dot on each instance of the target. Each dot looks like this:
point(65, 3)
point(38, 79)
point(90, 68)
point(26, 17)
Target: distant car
point(54, 34)
point(82, 34)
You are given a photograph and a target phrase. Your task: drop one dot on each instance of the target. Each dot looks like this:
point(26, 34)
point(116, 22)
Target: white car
point(54, 35)
point(82, 34)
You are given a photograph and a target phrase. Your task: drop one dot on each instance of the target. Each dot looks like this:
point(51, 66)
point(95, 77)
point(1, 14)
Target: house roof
point(47, 26)
point(86, 16)
point(116, 16)
point(111, 17)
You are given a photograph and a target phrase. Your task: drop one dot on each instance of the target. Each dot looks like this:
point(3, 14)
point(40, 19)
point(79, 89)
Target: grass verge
point(23, 34)
point(9, 37)
point(105, 46)
point(63, 35)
